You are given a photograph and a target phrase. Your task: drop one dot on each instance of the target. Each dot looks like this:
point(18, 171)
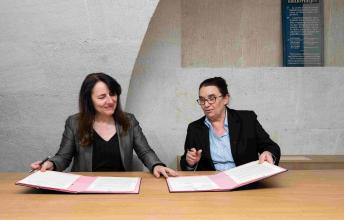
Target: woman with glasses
point(102, 137)
point(225, 138)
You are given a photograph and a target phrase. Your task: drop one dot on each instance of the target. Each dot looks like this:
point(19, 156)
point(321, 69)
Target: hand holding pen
point(42, 165)
point(193, 156)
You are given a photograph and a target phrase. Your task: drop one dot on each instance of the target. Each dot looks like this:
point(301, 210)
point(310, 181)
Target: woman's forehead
point(209, 90)
point(100, 87)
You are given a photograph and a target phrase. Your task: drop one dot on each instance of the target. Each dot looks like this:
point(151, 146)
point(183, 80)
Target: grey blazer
point(82, 155)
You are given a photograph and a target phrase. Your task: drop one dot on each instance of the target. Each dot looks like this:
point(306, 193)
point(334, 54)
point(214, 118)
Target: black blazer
point(247, 138)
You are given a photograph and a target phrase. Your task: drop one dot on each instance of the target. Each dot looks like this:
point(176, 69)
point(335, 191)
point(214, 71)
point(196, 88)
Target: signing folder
point(226, 180)
point(72, 183)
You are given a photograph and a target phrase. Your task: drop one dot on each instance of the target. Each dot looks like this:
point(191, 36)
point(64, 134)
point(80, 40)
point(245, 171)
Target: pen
point(41, 163)
point(196, 165)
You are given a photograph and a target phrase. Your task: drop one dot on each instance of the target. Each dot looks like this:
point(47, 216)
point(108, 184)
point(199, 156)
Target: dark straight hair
point(219, 82)
point(87, 110)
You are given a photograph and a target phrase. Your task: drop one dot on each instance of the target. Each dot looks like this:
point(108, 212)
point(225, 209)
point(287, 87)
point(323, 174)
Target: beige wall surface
point(247, 33)
point(231, 33)
point(334, 32)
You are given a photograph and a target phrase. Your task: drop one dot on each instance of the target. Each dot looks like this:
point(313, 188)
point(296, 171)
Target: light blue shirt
point(220, 147)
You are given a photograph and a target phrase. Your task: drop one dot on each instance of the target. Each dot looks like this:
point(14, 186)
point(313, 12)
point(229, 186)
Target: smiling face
point(104, 102)
point(216, 109)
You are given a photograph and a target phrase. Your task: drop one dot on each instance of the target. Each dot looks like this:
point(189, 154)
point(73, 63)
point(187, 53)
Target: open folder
point(72, 183)
point(226, 180)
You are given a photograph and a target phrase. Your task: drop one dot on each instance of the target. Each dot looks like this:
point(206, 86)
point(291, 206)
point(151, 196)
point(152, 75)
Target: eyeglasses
point(210, 100)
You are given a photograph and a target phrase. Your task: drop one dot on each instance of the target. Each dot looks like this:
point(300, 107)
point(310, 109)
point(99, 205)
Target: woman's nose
point(109, 99)
point(206, 104)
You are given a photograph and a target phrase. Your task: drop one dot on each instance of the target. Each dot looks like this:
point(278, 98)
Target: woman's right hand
point(193, 156)
point(47, 165)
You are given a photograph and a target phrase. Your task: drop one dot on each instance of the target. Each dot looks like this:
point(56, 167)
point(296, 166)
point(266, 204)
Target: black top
point(106, 154)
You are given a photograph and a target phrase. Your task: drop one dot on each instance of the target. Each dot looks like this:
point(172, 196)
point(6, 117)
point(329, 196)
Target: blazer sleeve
point(188, 142)
point(65, 154)
point(142, 148)
point(265, 143)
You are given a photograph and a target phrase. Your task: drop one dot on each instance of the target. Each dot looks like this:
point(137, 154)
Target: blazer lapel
point(85, 160)
point(205, 142)
point(234, 127)
point(204, 135)
point(122, 142)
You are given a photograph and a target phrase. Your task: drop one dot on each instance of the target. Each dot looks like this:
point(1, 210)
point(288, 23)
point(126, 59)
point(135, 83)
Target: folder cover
point(226, 180)
point(72, 183)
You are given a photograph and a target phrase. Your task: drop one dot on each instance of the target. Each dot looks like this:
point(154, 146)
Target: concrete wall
point(47, 47)
point(301, 108)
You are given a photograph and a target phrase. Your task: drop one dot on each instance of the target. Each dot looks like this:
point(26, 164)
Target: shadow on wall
point(152, 90)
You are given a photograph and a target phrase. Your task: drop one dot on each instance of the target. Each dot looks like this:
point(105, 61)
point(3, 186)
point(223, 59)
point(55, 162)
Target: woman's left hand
point(266, 156)
point(165, 171)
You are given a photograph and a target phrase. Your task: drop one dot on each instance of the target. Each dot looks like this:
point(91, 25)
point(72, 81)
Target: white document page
point(191, 183)
point(252, 171)
point(50, 179)
point(114, 184)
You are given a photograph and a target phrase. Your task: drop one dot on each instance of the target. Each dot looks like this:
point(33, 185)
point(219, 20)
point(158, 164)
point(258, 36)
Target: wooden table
point(296, 194)
point(312, 162)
